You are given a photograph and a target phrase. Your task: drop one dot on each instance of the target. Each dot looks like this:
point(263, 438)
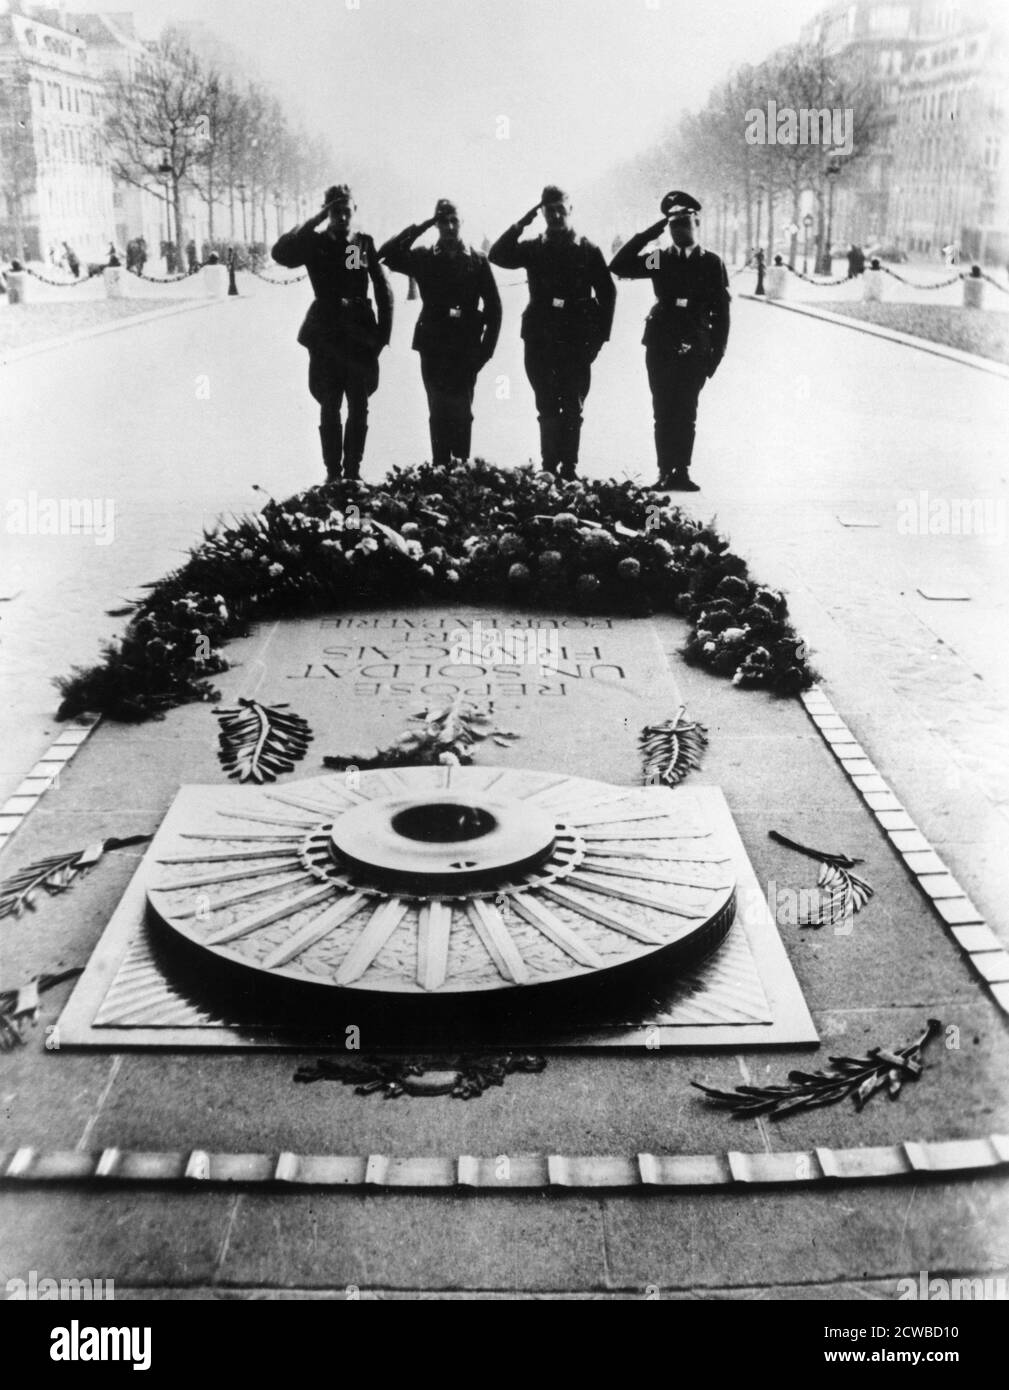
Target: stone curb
point(962, 920)
point(893, 335)
point(95, 331)
point(288, 1171)
point(44, 776)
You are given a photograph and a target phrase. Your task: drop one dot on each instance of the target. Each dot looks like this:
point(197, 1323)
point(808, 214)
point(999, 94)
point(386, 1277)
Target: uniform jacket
point(461, 313)
point(691, 293)
point(340, 269)
point(571, 292)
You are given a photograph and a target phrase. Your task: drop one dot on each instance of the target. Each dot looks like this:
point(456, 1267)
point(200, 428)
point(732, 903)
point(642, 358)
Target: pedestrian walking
point(686, 331)
point(340, 331)
point(192, 258)
point(567, 320)
point(856, 261)
point(458, 326)
point(73, 261)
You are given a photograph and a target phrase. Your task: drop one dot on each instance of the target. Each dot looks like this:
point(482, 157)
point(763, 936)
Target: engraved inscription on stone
point(395, 657)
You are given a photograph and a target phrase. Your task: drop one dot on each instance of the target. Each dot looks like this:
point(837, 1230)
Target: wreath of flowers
point(469, 533)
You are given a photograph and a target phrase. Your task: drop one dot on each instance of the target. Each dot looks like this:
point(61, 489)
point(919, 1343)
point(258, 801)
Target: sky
point(486, 100)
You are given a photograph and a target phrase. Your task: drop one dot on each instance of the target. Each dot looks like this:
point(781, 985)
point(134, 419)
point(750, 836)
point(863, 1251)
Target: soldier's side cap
point(553, 194)
point(338, 193)
point(677, 204)
point(445, 207)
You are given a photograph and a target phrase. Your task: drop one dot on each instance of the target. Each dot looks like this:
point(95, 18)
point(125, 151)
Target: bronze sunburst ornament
point(442, 882)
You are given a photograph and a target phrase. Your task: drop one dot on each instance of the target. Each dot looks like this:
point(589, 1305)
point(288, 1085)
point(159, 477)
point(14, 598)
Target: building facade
point(55, 184)
point(936, 175)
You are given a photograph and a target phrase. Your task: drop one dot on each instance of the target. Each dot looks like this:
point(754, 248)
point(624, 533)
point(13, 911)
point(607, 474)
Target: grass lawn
point(971, 330)
point(21, 325)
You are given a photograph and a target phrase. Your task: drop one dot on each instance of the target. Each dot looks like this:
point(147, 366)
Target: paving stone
point(857, 766)
point(908, 841)
point(992, 965)
point(980, 938)
point(133, 1236)
point(961, 1093)
point(437, 1240)
point(940, 886)
point(770, 1238)
point(958, 910)
point(599, 1104)
point(924, 862)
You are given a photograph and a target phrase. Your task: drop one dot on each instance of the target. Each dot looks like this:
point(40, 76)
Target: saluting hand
point(657, 228)
point(530, 217)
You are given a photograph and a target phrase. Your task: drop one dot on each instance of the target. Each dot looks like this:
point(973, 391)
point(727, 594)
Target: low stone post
point(113, 278)
point(776, 279)
point(873, 281)
point(215, 279)
point(17, 284)
point(973, 289)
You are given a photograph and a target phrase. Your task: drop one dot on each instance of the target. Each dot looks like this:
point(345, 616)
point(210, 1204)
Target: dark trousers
point(676, 382)
point(333, 378)
point(560, 376)
point(449, 384)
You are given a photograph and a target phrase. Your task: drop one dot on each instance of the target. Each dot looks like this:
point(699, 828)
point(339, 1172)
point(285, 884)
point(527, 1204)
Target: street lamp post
point(825, 260)
point(164, 178)
point(240, 188)
point(807, 223)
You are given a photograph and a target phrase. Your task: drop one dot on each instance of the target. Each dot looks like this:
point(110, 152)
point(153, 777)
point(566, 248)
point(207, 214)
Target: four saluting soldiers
point(340, 331)
point(569, 316)
point(686, 330)
point(458, 327)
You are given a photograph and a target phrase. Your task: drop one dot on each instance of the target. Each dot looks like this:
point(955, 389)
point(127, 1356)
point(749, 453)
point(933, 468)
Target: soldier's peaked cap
point(338, 193)
point(446, 207)
point(553, 194)
point(677, 204)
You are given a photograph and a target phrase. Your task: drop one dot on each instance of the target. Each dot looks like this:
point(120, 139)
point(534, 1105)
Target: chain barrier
point(992, 281)
point(824, 284)
point(937, 285)
point(292, 280)
point(63, 284)
point(160, 279)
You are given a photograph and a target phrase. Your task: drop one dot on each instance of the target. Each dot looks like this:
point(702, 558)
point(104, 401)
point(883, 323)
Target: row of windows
point(70, 200)
point(951, 153)
point(52, 43)
point(78, 99)
point(946, 55)
point(75, 146)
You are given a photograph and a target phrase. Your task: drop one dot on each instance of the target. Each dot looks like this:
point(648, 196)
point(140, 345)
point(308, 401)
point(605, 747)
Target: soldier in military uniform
point(569, 316)
point(340, 330)
point(458, 327)
point(686, 330)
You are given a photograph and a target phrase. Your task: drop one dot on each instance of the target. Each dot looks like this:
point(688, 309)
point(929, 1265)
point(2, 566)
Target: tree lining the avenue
point(183, 124)
point(746, 152)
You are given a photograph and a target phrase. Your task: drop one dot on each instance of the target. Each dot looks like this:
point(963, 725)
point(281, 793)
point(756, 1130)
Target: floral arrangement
point(462, 532)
